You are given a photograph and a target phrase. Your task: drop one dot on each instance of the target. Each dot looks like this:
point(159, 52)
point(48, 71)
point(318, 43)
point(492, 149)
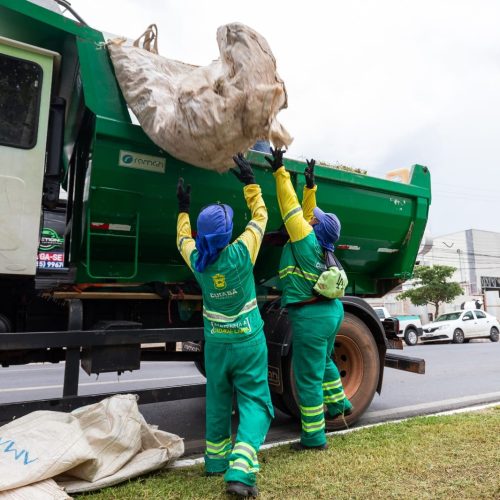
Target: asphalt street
point(456, 376)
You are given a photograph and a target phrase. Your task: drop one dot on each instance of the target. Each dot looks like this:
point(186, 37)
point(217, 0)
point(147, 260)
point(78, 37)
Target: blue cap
point(328, 228)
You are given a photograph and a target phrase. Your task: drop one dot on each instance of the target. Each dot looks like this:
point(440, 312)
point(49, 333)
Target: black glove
point(183, 196)
point(309, 173)
point(245, 173)
point(277, 160)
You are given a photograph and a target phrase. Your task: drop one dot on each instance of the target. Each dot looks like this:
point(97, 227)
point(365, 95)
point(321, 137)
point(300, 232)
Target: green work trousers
point(241, 368)
point(317, 379)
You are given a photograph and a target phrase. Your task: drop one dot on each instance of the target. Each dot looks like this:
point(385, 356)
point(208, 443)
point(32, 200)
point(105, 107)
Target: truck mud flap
point(405, 363)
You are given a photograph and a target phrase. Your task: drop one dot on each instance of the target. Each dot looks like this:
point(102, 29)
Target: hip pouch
point(332, 282)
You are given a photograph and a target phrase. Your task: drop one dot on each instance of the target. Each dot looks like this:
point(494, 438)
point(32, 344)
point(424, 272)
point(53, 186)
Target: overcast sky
point(371, 84)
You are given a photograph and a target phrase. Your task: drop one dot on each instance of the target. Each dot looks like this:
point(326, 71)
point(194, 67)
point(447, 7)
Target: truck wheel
point(458, 336)
point(5, 324)
point(411, 337)
point(356, 356)
point(200, 365)
point(494, 334)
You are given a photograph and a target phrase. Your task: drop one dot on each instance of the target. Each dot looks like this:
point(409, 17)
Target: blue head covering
point(215, 228)
point(327, 230)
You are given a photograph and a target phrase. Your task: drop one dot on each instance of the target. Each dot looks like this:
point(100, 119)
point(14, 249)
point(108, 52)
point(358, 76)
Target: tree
point(432, 287)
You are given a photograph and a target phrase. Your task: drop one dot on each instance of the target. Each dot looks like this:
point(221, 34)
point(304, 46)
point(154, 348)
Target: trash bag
point(92, 447)
point(203, 115)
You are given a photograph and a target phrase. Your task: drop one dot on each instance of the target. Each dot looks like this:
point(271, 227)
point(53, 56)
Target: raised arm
point(309, 195)
point(291, 211)
point(254, 231)
point(185, 241)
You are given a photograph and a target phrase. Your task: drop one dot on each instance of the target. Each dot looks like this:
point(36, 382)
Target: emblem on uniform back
point(219, 281)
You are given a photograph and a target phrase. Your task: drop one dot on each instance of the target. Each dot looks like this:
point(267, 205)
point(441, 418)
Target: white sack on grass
point(94, 446)
point(203, 115)
point(44, 490)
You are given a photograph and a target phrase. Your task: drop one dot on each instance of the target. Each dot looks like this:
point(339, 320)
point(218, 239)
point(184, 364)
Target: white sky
point(371, 84)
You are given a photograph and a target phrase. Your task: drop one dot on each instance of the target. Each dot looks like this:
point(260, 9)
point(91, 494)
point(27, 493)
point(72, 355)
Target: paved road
point(456, 376)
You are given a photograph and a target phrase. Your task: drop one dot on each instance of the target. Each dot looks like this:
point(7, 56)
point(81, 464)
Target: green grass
point(449, 457)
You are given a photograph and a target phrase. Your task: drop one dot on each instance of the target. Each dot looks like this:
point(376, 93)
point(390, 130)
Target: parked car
point(410, 327)
point(461, 326)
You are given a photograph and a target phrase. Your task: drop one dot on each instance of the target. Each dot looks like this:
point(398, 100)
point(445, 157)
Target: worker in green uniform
point(235, 345)
point(315, 320)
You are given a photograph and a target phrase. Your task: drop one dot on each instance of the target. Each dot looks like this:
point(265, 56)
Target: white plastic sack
point(94, 446)
point(44, 490)
point(203, 115)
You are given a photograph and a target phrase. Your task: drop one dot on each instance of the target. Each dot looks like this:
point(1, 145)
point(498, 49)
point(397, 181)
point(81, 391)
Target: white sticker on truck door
point(142, 162)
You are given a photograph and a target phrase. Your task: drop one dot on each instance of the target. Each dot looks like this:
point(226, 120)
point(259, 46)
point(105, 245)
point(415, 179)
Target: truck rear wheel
point(356, 356)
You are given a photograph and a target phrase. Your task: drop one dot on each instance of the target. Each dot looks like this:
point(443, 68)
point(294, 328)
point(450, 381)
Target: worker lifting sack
point(204, 114)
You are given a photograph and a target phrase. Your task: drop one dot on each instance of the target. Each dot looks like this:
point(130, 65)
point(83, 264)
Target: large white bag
point(203, 115)
point(94, 446)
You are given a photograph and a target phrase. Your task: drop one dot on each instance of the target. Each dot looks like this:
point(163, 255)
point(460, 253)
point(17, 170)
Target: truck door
point(26, 74)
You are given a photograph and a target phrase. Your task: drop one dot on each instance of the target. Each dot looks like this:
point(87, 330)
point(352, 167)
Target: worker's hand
point(245, 174)
point(183, 196)
point(309, 173)
point(277, 160)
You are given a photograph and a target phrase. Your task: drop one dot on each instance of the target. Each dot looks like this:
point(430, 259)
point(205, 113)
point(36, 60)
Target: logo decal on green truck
point(50, 240)
point(142, 162)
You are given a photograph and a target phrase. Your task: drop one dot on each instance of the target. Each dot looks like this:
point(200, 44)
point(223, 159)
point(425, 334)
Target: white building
point(476, 256)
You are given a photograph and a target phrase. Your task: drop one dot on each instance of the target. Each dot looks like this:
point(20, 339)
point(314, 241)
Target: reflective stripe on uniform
point(220, 448)
point(335, 384)
point(311, 411)
point(246, 451)
point(222, 318)
point(181, 241)
point(313, 426)
point(297, 272)
point(335, 398)
point(256, 226)
point(289, 215)
point(242, 465)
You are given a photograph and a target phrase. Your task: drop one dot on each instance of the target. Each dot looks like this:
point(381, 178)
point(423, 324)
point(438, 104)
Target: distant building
point(476, 256)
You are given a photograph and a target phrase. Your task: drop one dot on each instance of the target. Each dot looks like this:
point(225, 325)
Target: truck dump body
point(123, 220)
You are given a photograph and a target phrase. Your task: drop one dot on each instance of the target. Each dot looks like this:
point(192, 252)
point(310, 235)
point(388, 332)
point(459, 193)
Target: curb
point(178, 464)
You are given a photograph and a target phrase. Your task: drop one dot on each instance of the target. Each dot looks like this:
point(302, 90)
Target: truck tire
point(5, 324)
point(411, 336)
point(200, 366)
point(357, 359)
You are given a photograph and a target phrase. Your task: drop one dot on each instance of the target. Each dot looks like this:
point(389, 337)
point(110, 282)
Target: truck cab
point(26, 79)
point(410, 327)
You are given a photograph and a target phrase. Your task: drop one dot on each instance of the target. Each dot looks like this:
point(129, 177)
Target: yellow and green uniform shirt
point(301, 267)
point(230, 311)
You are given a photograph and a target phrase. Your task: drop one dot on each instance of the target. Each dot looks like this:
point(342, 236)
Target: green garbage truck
point(95, 280)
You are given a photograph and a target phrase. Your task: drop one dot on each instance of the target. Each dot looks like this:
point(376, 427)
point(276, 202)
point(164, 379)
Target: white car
point(461, 326)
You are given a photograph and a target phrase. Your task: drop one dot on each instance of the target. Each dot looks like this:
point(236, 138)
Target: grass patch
point(456, 456)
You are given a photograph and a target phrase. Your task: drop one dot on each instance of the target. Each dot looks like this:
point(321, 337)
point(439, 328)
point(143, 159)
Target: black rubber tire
point(279, 403)
point(458, 336)
point(494, 334)
point(359, 375)
point(5, 324)
point(411, 337)
point(201, 367)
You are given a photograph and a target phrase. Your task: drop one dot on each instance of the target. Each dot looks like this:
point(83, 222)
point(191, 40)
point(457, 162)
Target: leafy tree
point(432, 287)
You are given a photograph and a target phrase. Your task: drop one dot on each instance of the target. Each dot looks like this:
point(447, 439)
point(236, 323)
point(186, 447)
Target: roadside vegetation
point(431, 286)
point(456, 456)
